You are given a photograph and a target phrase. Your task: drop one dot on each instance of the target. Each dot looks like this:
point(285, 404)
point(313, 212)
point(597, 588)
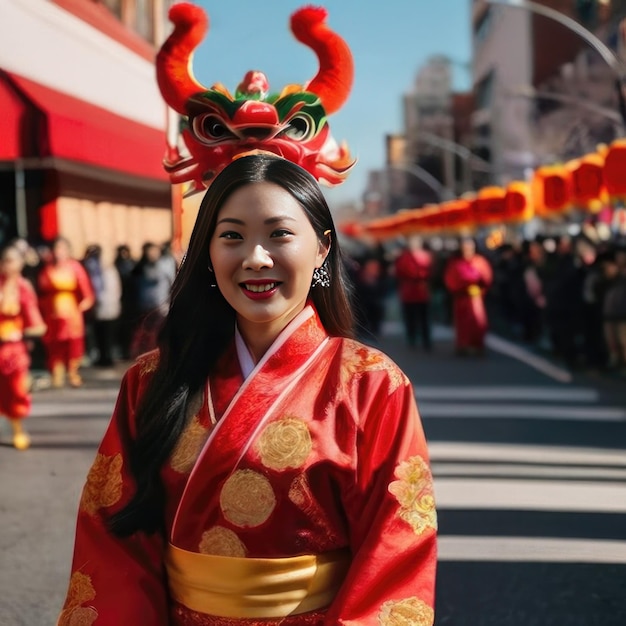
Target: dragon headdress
point(217, 127)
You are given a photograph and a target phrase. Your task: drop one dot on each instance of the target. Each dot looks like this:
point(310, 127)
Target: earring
point(321, 277)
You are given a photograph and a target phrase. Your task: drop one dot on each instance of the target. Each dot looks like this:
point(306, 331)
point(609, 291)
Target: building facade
point(542, 93)
point(83, 130)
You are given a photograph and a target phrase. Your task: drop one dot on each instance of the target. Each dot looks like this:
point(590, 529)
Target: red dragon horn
point(173, 63)
point(334, 78)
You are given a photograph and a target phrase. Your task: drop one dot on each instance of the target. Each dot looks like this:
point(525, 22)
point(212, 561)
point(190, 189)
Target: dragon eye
point(300, 127)
point(210, 127)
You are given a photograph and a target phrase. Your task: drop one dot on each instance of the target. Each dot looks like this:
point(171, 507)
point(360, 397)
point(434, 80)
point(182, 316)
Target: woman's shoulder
point(144, 365)
point(359, 360)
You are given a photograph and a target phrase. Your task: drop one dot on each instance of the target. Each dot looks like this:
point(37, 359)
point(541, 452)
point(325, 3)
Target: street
point(530, 479)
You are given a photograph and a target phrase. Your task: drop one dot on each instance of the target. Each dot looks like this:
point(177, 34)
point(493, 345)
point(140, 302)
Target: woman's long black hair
point(200, 325)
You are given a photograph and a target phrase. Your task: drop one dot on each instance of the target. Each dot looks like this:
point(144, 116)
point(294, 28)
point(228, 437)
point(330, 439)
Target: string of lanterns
point(584, 184)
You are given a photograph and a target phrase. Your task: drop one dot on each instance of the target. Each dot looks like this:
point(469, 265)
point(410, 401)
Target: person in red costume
point(65, 293)
point(413, 271)
point(261, 466)
point(19, 319)
point(467, 277)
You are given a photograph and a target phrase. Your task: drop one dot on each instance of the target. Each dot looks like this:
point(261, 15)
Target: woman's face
point(61, 251)
point(263, 252)
point(11, 263)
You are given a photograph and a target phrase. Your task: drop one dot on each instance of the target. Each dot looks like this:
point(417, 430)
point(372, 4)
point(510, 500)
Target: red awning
point(37, 121)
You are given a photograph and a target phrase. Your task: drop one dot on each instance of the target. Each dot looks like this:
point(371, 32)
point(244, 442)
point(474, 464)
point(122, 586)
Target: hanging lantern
point(518, 202)
point(552, 190)
point(587, 179)
point(615, 168)
point(384, 228)
point(351, 229)
point(489, 207)
point(457, 216)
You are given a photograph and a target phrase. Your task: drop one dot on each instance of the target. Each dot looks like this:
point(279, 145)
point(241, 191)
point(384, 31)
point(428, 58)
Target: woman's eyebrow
point(230, 220)
point(279, 218)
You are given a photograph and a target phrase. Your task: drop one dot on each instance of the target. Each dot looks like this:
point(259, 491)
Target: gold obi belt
point(238, 587)
point(474, 290)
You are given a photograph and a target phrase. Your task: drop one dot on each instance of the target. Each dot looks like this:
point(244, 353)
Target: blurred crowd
point(562, 295)
point(99, 308)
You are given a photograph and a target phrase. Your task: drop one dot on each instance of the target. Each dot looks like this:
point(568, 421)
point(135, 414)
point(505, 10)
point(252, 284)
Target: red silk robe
point(19, 316)
point(413, 270)
point(467, 281)
point(320, 448)
point(65, 292)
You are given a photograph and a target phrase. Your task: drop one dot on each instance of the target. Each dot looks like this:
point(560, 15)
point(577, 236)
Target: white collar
point(246, 362)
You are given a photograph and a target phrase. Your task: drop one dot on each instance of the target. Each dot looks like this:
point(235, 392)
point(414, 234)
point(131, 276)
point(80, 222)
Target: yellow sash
point(238, 587)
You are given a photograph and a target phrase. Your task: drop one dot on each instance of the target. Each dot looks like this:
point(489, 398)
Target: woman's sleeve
point(114, 581)
point(391, 513)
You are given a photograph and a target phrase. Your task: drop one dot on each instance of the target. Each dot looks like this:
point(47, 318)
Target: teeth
point(259, 288)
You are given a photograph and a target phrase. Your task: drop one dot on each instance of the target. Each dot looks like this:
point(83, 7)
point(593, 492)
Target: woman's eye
point(230, 234)
point(281, 232)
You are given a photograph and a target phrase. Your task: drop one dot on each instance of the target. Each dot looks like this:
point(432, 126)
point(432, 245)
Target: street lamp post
point(618, 67)
point(444, 193)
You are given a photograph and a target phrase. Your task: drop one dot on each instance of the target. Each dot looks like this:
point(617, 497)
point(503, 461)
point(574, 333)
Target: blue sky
point(389, 39)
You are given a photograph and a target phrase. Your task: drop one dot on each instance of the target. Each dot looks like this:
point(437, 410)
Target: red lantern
point(587, 178)
point(615, 168)
point(552, 190)
point(518, 202)
point(457, 215)
point(489, 207)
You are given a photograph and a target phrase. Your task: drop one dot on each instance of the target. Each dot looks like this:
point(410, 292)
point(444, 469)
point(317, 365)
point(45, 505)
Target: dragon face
point(217, 127)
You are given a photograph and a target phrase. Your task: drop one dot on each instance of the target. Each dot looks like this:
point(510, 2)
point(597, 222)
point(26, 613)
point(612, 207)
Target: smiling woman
point(264, 252)
point(261, 466)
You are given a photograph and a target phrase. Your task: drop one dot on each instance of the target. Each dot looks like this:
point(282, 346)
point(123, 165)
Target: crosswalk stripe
point(523, 393)
point(523, 453)
point(467, 470)
point(526, 411)
point(527, 495)
point(531, 549)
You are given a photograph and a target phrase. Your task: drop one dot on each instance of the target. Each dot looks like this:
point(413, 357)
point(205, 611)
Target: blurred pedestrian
point(65, 293)
point(563, 289)
point(153, 279)
point(124, 263)
point(468, 276)
point(614, 311)
point(413, 272)
point(93, 265)
point(107, 311)
point(370, 291)
point(20, 319)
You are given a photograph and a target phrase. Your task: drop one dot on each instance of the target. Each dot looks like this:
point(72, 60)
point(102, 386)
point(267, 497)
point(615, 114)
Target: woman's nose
point(258, 258)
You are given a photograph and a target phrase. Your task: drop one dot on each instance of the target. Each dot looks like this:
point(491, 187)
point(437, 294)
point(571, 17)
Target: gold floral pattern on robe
point(285, 444)
point(359, 359)
point(104, 484)
point(409, 612)
point(221, 542)
point(247, 498)
point(80, 591)
point(148, 362)
point(189, 446)
point(414, 492)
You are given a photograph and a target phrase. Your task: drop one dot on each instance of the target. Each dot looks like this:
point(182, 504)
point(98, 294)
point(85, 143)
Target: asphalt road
point(530, 480)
